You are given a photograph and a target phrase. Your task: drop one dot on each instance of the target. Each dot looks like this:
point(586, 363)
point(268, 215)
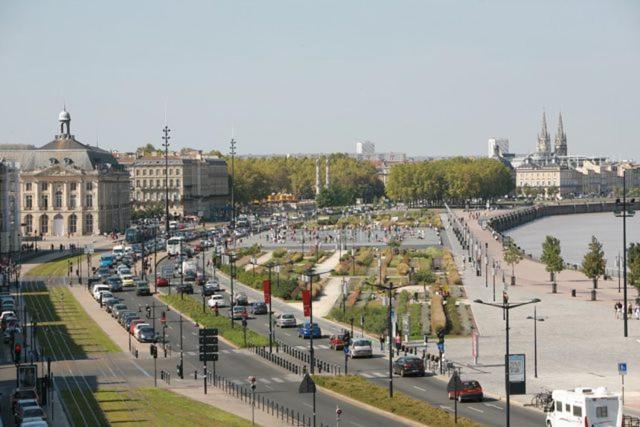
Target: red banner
point(266, 288)
point(306, 302)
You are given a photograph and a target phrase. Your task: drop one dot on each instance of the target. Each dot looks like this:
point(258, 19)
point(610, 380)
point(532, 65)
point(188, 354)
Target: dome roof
point(64, 116)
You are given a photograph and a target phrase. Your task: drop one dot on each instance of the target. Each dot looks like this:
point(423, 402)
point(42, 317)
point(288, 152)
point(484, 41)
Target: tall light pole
point(506, 306)
point(625, 210)
point(535, 319)
point(310, 273)
point(165, 144)
point(232, 151)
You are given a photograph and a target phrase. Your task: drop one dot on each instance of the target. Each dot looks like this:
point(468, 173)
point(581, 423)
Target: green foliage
point(458, 178)
point(633, 263)
point(424, 276)
point(512, 255)
point(254, 249)
point(454, 324)
point(149, 210)
point(593, 263)
point(375, 315)
point(551, 255)
point(279, 253)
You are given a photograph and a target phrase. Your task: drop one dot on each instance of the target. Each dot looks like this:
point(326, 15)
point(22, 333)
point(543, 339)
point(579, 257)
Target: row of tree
point(459, 178)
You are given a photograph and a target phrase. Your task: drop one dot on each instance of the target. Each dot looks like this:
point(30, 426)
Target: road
point(431, 390)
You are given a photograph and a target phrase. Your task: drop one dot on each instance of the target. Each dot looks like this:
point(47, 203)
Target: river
point(575, 231)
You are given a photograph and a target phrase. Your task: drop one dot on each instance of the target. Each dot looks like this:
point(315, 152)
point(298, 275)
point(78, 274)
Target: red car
point(338, 341)
point(470, 390)
point(133, 324)
point(161, 281)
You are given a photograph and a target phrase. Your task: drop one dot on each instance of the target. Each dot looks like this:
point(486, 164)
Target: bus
point(140, 233)
point(174, 245)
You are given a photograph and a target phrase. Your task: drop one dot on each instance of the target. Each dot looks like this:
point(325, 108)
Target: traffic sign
point(307, 385)
point(207, 340)
point(210, 357)
point(208, 348)
point(207, 332)
point(622, 368)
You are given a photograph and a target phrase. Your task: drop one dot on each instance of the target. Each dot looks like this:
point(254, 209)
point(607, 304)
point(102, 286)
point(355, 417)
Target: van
point(584, 407)
point(118, 251)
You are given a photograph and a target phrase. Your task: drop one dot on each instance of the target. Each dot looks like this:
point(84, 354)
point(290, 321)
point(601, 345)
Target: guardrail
point(305, 357)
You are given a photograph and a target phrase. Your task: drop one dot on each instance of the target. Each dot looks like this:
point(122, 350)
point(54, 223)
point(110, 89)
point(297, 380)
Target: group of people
point(633, 311)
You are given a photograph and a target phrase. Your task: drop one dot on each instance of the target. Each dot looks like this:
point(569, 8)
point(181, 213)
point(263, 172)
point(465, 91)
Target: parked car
point(241, 299)
point(29, 412)
point(127, 280)
point(338, 341)
point(161, 282)
point(117, 308)
point(97, 289)
point(215, 301)
point(470, 390)
point(142, 288)
point(307, 329)
point(259, 307)
point(214, 283)
point(25, 403)
point(186, 288)
point(133, 323)
point(11, 332)
point(408, 365)
point(286, 320)
point(238, 312)
point(115, 284)
point(208, 289)
point(144, 333)
point(360, 348)
point(108, 305)
point(122, 314)
point(21, 394)
point(128, 319)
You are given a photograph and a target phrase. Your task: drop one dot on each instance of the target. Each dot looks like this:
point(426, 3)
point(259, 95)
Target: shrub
point(438, 318)
point(279, 253)
point(454, 325)
point(403, 269)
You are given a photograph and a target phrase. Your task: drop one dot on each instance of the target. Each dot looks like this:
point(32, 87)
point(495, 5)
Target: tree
point(593, 264)
point(147, 150)
point(552, 258)
point(512, 256)
point(633, 263)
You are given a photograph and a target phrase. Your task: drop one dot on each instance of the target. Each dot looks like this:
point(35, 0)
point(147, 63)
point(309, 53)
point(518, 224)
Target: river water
point(575, 231)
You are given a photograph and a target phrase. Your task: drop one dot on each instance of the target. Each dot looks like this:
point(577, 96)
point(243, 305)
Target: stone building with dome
point(68, 188)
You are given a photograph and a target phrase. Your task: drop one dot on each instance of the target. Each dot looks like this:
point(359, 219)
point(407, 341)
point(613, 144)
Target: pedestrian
point(381, 342)
point(618, 309)
point(636, 312)
point(398, 342)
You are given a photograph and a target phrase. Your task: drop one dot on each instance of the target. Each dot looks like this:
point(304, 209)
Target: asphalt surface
point(431, 390)
point(237, 365)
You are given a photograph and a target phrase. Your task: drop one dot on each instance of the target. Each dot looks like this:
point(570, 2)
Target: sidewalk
point(580, 342)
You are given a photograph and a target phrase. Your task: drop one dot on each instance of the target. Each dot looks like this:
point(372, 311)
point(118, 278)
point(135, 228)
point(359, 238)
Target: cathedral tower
point(544, 140)
point(561, 139)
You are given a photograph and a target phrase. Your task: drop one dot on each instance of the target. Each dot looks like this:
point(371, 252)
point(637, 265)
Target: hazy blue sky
point(423, 77)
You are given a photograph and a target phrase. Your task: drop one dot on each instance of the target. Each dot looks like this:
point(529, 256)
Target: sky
point(425, 77)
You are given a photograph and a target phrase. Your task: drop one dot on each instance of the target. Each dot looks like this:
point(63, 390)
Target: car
point(338, 341)
point(103, 272)
point(123, 269)
point(34, 422)
point(360, 348)
point(11, 332)
point(22, 414)
point(22, 394)
point(470, 390)
point(214, 283)
point(144, 333)
point(25, 403)
point(97, 289)
point(7, 313)
point(208, 290)
point(408, 365)
point(104, 296)
point(161, 282)
point(186, 288)
point(128, 319)
point(9, 322)
point(307, 329)
point(241, 299)
point(133, 323)
point(216, 301)
point(117, 308)
point(127, 280)
point(238, 312)
point(142, 288)
point(259, 307)
point(286, 320)
point(123, 313)
point(108, 305)
point(114, 283)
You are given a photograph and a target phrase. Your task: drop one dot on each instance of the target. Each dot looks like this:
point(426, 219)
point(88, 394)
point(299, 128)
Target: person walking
point(618, 309)
point(381, 342)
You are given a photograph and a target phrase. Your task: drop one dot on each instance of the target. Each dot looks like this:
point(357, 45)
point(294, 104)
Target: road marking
point(366, 375)
point(475, 409)
point(264, 380)
point(140, 368)
point(307, 404)
point(194, 333)
point(277, 380)
point(286, 333)
point(191, 353)
point(493, 406)
point(419, 388)
point(356, 424)
point(268, 387)
point(446, 408)
point(323, 346)
point(380, 374)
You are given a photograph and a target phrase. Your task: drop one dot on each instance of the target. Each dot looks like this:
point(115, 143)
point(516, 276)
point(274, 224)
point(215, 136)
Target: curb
point(370, 408)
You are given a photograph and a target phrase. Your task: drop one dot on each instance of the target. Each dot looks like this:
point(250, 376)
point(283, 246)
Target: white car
point(286, 320)
point(215, 301)
point(7, 313)
point(360, 348)
point(99, 288)
point(214, 283)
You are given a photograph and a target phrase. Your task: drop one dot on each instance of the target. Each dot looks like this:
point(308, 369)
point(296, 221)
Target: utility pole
point(232, 151)
point(625, 210)
point(165, 144)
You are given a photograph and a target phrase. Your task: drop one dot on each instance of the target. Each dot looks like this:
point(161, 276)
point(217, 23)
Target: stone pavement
point(331, 292)
point(580, 342)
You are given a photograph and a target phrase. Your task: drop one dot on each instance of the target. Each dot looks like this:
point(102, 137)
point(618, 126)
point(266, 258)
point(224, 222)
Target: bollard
point(195, 375)
point(161, 374)
point(593, 294)
point(573, 293)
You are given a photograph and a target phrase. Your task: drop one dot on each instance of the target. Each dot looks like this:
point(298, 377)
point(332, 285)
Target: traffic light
point(17, 350)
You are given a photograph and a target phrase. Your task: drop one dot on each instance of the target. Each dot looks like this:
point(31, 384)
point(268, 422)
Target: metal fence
point(304, 356)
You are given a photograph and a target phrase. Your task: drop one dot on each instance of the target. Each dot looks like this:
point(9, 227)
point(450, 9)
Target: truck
point(584, 407)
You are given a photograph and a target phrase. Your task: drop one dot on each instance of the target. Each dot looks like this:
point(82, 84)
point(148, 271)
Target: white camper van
point(585, 407)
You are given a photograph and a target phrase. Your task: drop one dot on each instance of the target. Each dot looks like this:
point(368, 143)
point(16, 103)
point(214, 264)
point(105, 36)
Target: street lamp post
point(506, 306)
point(232, 151)
point(165, 144)
point(625, 210)
point(232, 266)
point(310, 273)
point(535, 319)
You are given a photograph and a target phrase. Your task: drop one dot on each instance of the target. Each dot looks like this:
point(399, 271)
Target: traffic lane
point(238, 366)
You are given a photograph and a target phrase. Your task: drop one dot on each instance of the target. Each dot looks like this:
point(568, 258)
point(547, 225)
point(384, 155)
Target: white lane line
point(380, 374)
point(446, 408)
point(493, 406)
point(286, 333)
point(277, 380)
point(356, 424)
point(191, 353)
point(307, 404)
point(419, 388)
point(475, 409)
point(268, 387)
point(366, 375)
point(140, 368)
point(264, 380)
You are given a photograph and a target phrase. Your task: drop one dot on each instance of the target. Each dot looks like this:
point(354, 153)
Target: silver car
point(286, 320)
point(360, 348)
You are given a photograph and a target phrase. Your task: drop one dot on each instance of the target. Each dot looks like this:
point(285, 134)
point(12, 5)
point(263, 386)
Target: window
point(137, 183)
point(28, 224)
point(73, 223)
point(171, 183)
point(57, 201)
point(567, 407)
point(137, 172)
point(158, 183)
point(28, 202)
point(44, 202)
point(144, 183)
point(144, 172)
point(177, 183)
point(577, 411)
point(88, 201)
point(88, 223)
point(602, 412)
point(157, 172)
point(72, 201)
point(559, 406)
point(44, 186)
point(73, 186)
point(151, 183)
point(177, 171)
point(27, 186)
point(89, 186)
point(44, 224)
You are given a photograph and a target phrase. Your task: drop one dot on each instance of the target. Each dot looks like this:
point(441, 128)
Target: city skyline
point(442, 81)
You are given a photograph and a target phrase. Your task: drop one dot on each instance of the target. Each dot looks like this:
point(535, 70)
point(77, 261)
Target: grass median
point(192, 308)
point(360, 389)
point(56, 268)
point(158, 407)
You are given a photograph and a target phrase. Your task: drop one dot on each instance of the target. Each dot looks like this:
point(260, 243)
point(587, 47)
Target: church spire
point(544, 140)
point(561, 138)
